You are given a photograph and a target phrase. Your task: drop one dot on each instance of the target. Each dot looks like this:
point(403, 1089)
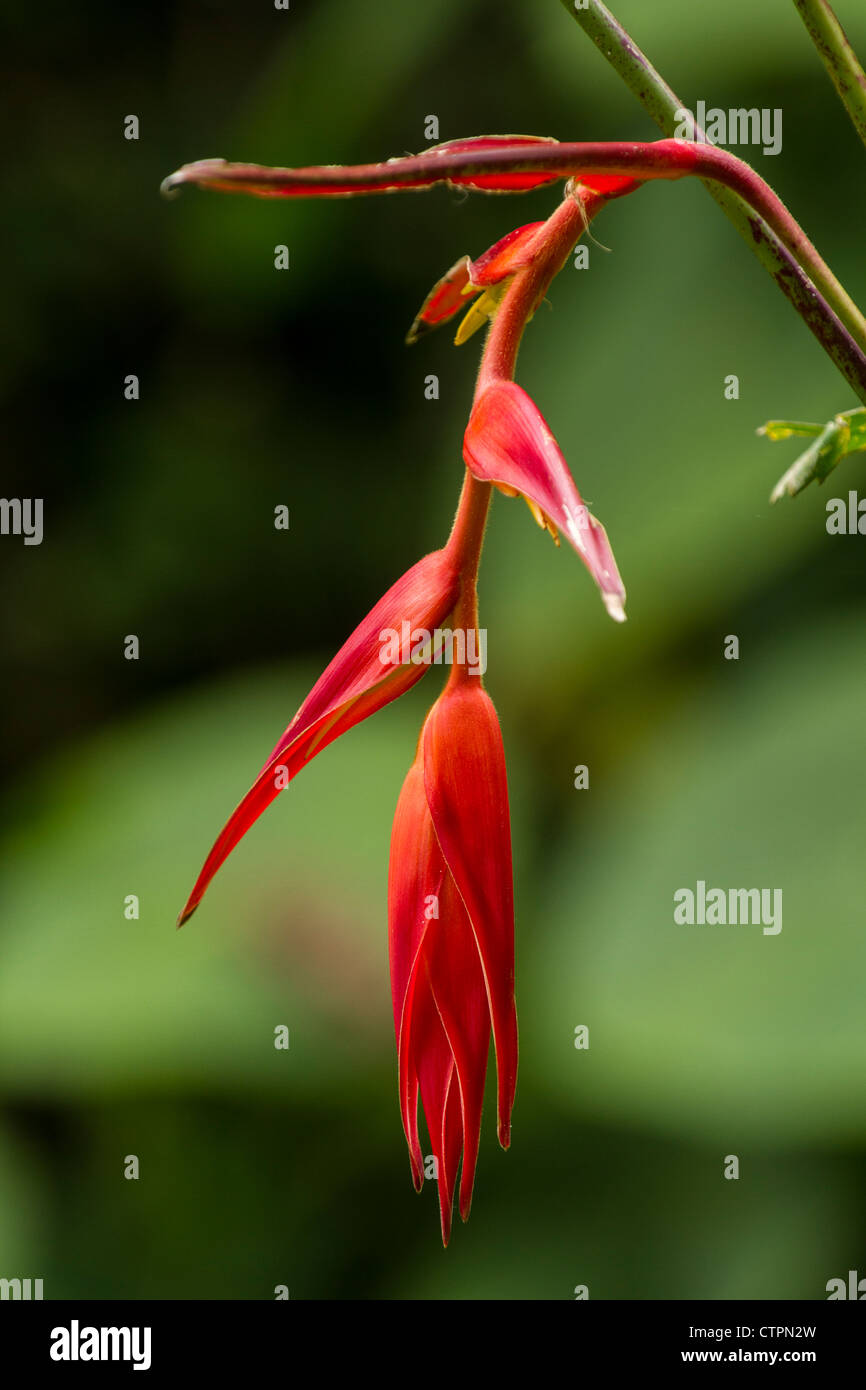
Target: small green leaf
point(844, 434)
point(784, 429)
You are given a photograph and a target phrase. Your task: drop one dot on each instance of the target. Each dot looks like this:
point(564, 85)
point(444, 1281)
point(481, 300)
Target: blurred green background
point(258, 388)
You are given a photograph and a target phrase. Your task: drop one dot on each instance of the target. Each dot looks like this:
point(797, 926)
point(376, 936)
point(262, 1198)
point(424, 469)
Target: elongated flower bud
point(451, 934)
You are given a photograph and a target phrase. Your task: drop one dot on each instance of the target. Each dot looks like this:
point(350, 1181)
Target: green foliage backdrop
point(257, 388)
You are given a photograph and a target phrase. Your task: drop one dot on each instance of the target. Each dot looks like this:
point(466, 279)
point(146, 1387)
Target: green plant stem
point(838, 58)
point(844, 347)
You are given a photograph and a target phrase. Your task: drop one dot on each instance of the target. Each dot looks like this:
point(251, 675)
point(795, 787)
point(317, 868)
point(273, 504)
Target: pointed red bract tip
point(447, 297)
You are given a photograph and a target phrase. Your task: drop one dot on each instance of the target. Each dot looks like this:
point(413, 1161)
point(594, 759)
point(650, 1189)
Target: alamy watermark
point(854, 1287)
point(737, 126)
point(443, 646)
point(846, 517)
point(22, 516)
point(23, 1289)
point(77, 1343)
point(720, 907)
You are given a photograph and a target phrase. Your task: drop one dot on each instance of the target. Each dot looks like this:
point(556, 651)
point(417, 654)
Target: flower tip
point(614, 605)
point(189, 173)
point(186, 914)
point(503, 1132)
point(418, 330)
point(171, 186)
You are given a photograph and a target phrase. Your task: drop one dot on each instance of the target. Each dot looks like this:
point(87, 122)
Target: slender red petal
point(426, 1063)
point(509, 442)
point(467, 792)
point(355, 684)
point(457, 982)
point(509, 254)
point(440, 1097)
point(451, 1148)
point(424, 1056)
point(415, 875)
point(447, 297)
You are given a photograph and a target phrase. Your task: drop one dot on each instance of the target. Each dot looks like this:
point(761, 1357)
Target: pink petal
point(416, 871)
point(508, 441)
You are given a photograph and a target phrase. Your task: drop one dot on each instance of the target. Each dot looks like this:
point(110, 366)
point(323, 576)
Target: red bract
point(447, 297)
point(356, 684)
point(509, 443)
point(451, 933)
point(467, 278)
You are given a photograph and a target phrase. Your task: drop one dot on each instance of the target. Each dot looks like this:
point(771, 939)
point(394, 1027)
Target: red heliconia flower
point(359, 681)
point(450, 897)
point(509, 443)
point(451, 934)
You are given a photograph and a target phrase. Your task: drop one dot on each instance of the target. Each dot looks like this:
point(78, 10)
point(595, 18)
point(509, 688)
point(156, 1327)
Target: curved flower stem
point(530, 285)
point(499, 359)
point(465, 543)
point(844, 347)
point(838, 58)
point(834, 317)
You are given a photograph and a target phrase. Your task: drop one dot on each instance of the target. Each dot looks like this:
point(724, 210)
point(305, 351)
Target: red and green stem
point(844, 346)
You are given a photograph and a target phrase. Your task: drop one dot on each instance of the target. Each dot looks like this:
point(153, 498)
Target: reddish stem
point(468, 166)
point(521, 299)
